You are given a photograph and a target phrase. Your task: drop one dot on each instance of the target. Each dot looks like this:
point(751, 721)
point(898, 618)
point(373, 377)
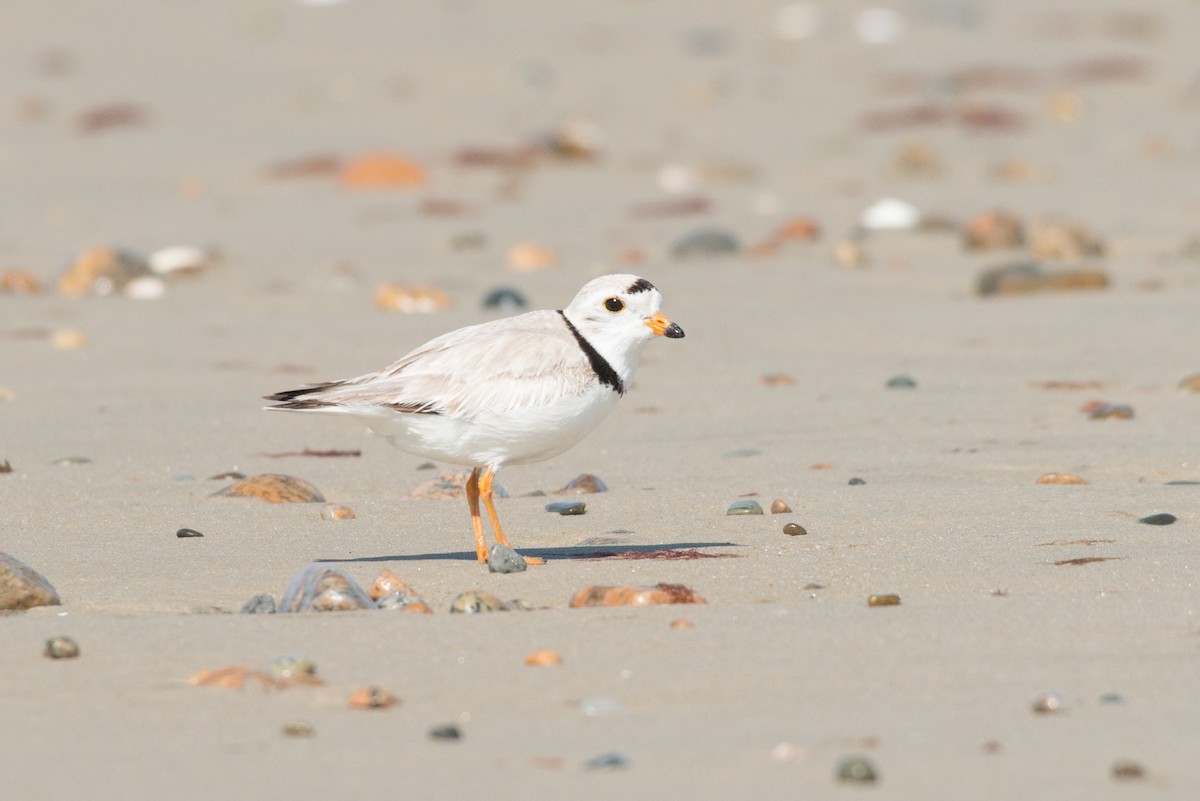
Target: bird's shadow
point(666, 551)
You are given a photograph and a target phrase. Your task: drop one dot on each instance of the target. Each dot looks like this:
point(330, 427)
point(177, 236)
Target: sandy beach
point(1046, 641)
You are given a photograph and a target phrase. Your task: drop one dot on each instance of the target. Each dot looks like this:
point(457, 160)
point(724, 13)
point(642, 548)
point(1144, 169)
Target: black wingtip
point(295, 398)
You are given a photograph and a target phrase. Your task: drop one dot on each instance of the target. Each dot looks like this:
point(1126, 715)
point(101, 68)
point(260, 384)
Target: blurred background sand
point(606, 134)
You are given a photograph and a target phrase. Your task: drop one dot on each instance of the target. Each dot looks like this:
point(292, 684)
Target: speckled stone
point(567, 507)
point(475, 601)
point(261, 604)
point(503, 559)
point(22, 587)
point(746, 506)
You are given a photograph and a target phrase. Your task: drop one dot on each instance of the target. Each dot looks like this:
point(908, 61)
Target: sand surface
point(786, 670)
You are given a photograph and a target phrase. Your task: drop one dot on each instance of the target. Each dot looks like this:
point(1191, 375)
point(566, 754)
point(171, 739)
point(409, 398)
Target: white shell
point(146, 287)
point(179, 259)
point(890, 214)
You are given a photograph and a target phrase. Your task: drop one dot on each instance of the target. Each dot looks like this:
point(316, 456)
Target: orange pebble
point(543, 659)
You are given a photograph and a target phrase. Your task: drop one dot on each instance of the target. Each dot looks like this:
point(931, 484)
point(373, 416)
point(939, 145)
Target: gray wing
point(504, 365)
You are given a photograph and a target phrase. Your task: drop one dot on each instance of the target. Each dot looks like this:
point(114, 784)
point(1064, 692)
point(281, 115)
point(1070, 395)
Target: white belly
point(493, 440)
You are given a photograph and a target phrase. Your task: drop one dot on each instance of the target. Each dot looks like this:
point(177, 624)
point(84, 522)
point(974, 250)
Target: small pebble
point(320, 588)
point(475, 601)
point(780, 507)
point(187, 532)
point(334, 512)
point(583, 484)
point(503, 559)
point(887, 599)
point(298, 728)
point(372, 698)
point(901, 382)
point(261, 604)
point(598, 706)
point(445, 733)
point(292, 667)
point(993, 230)
point(1161, 519)
point(1047, 703)
point(794, 529)
point(741, 453)
point(1060, 478)
point(72, 460)
point(890, 214)
point(613, 760)
point(567, 507)
point(504, 298)
point(1112, 698)
point(849, 253)
point(854, 482)
point(746, 506)
point(22, 587)
point(61, 648)
point(543, 659)
point(1127, 770)
point(1190, 383)
point(682, 623)
point(706, 243)
point(856, 769)
point(1110, 411)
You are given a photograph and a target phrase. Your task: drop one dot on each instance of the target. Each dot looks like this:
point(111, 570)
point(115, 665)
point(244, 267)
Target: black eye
point(614, 305)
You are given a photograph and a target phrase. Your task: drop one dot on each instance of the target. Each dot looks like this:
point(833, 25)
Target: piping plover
point(510, 391)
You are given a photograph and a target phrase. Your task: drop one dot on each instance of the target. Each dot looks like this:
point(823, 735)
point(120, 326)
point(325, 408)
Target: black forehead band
point(640, 285)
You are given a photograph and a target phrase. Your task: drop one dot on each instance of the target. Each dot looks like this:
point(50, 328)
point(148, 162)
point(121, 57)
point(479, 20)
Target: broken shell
point(1190, 383)
point(101, 271)
point(382, 171)
point(410, 299)
point(180, 260)
point(335, 512)
point(543, 659)
point(372, 698)
point(19, 282)
point(1060, 478)
point(69, 340)
point(993, 230)
point(1025, 277)
point(475, 601)
point(583, 484)
point(682, 623)
point(388, 583)
point(527, 257)
point(320, 588)
point(403, 602)
point(61, 648)
point(1062, 241)
point(635, 596)
point(273, 488)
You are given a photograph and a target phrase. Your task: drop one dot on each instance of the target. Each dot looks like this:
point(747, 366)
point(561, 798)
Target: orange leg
point(485, 491)
point(481, 551)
